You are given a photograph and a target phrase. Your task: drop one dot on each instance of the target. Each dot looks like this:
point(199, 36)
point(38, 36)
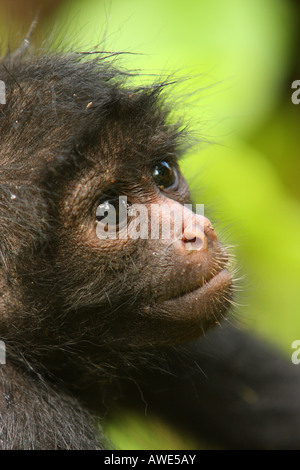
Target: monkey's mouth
point(209, 300)
point(214, 282)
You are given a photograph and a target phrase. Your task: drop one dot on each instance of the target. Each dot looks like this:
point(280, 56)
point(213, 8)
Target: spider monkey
point(88, 319)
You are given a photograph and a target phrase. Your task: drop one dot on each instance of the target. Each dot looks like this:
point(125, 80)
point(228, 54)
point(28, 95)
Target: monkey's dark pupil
point(112, 213)
point(106, 213)
point(164, 175)
point(101, 217)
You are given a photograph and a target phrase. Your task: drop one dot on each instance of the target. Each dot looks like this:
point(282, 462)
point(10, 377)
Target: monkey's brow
point(166, 151)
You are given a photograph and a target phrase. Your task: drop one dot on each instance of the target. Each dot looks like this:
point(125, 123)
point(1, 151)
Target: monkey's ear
point(23, 48)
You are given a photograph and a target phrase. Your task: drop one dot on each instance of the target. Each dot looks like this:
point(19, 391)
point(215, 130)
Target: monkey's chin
point(205, 305)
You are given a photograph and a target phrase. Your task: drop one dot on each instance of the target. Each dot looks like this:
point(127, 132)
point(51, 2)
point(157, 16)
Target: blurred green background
point(241, 58)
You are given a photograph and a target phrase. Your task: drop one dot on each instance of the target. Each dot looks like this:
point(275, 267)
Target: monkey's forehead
point(58, 107)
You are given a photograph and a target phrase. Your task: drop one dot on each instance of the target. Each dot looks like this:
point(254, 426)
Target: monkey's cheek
point(204, 306)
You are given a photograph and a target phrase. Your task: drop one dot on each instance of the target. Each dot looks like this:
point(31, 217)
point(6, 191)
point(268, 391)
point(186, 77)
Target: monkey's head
point(90, 183)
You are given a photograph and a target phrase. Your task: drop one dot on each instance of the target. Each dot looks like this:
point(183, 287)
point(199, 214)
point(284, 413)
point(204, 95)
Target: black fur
point(74, 318)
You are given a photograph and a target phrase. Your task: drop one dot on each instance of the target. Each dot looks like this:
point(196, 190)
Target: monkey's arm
point(231, 388)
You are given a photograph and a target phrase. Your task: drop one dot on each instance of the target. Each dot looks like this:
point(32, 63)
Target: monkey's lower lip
point(209, 300)
point(216, 282)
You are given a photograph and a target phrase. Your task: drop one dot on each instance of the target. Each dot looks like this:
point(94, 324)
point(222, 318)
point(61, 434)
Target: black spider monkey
point(85, 319)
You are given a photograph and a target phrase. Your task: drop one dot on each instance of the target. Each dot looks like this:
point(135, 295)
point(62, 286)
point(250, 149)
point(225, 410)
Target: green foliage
point(135, 432)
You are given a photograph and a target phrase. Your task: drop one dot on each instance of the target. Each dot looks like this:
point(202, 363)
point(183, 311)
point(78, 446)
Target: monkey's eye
point(112, 214)
point(165, 176)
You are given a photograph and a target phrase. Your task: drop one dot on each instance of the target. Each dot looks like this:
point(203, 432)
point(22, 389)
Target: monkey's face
point(111, 255)
point(133, 256)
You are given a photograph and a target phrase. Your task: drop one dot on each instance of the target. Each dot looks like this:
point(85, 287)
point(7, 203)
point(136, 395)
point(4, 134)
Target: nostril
point(193, 242)
point(197, 231)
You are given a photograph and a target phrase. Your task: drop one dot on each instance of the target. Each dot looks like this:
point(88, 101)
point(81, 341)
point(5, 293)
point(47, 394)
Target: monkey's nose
point(197, 233)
